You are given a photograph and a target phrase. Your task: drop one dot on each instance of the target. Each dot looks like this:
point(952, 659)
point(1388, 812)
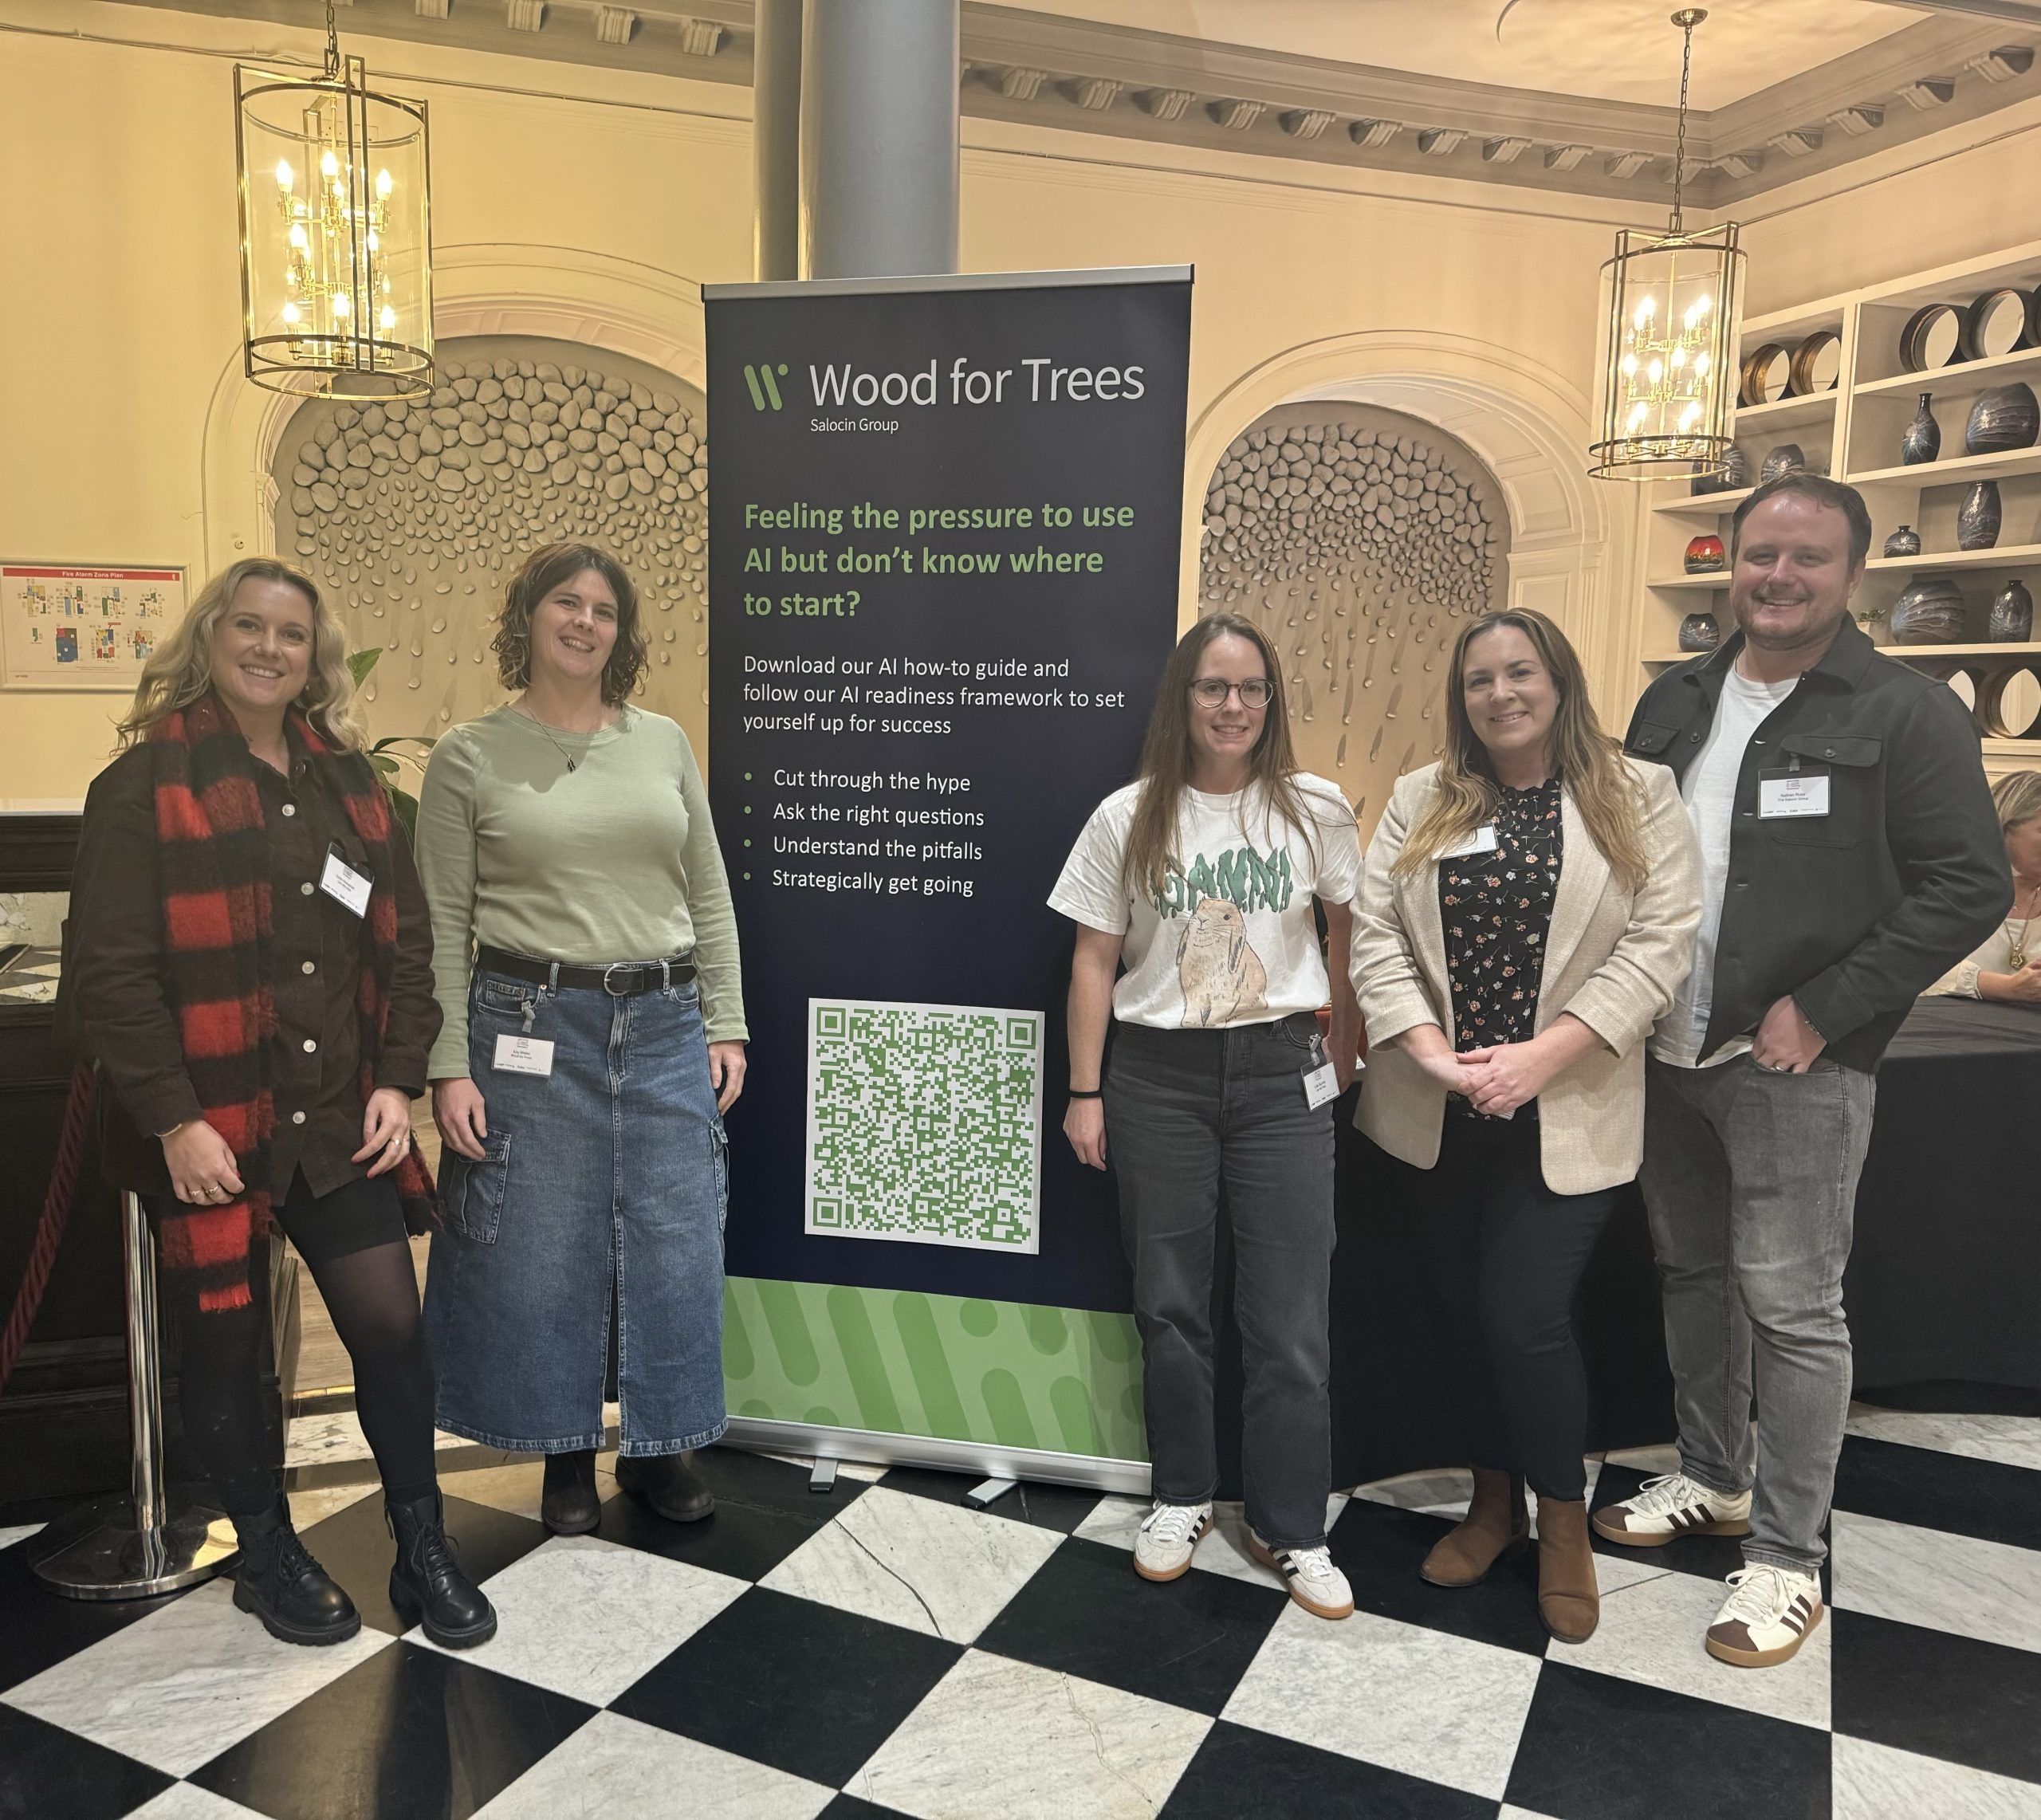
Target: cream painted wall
point(119, 320)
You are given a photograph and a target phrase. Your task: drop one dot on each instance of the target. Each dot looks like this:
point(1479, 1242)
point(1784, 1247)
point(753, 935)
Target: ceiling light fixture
point(336, 233)
point(1671, 304)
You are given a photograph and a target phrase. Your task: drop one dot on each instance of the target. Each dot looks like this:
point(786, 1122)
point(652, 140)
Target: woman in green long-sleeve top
point(579, 1082)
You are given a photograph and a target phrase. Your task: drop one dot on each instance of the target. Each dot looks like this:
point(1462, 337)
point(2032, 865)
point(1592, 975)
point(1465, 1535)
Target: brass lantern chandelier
point(336, 234)
point(1671, 303)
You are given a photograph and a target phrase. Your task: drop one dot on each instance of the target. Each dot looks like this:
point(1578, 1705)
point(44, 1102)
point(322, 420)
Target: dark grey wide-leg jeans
point(1191, 1113)
point(1750, 1179)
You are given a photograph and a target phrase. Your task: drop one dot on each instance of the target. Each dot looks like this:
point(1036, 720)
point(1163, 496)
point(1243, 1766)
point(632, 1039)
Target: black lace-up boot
point(426, 1585)
point(281, 1583)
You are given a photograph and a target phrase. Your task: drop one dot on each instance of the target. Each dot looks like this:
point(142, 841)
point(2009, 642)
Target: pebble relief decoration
point(412, 516)
point(1357, 538)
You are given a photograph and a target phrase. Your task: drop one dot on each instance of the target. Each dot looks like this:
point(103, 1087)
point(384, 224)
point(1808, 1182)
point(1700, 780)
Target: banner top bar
point(952, 281)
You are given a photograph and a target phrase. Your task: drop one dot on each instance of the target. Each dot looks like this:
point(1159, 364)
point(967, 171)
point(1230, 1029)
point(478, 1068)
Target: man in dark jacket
point(1850, 855)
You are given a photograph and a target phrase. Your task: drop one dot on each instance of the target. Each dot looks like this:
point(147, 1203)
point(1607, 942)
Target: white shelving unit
point(1852, 431)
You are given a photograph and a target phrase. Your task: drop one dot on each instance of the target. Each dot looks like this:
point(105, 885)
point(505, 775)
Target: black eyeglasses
point(1210, 692)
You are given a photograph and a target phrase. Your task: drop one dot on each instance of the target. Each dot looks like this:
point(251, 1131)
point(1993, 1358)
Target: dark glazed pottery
point(1930, 612)
point(1705, 555)
point(1786, 459)
point(1735, 475)
point(1904, 542)
point(1699, 632)
point(2012, 615)
point(1977, 523)
point(1923, 440)
point(2006, 417)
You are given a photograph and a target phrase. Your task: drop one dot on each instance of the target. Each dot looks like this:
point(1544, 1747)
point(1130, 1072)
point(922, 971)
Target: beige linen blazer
point(1614, 957)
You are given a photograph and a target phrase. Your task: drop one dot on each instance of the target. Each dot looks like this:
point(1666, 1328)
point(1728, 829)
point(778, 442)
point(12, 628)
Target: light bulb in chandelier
point(286, 177)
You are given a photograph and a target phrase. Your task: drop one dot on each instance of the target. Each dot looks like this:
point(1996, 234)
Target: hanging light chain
point(332, 45)
point(1686, 19)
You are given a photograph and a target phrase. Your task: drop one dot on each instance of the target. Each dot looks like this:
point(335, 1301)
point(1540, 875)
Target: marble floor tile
point(1651, 1632)
point(2011, 1440)
point(586, 1618)
point(1058, 1746)
point(1875, 1782)
point(1437, 1494)
point(1653, 1462)
point(332, 1437)
point(185, 1683)
point(47, 1773)
point(518, 1487)
point(1951, 1698)
point(1927, 1577)
point(616, 1766)
point(934, 1567)
point(20, 1533)
point(187, 1801)
point(1242, 1774)
point(316, 1502)
point(1224, 1550)
point(1431, 1704)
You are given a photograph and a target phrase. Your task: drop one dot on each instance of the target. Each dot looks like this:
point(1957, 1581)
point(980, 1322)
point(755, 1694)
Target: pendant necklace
point(2017, 959)
point(573, 764)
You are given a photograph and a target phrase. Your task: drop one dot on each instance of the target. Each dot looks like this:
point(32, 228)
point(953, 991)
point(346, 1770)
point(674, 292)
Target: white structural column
point(775, 138)
point(878, 118)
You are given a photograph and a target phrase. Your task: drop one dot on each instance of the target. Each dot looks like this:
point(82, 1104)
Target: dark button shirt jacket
point(1855, 913)
point(1496, 910)
point(315, 961)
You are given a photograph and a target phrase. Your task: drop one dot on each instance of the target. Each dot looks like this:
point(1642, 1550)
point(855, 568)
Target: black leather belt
point(622, 981)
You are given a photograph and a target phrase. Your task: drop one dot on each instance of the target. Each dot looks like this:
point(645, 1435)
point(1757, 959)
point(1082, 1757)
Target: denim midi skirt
point(610, 1173)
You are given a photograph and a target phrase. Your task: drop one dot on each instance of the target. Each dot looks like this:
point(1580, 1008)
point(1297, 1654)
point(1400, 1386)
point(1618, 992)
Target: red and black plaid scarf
point(215, 867)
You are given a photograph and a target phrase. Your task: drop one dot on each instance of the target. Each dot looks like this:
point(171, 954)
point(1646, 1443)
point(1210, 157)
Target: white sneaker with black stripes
point(1169, 1537)
point(1771, 1612)
point(1315, 1583)
point(1667, 1508)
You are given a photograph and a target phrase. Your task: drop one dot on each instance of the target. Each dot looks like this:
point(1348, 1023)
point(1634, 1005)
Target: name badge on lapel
point(1785, 796)
point(1481, 841)
point(345, 886)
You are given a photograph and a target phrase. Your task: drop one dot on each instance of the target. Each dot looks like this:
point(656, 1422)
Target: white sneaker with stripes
point(1315, 1583)
point(1666, 1508)
point(1169, 1537)
point(1771, 1612)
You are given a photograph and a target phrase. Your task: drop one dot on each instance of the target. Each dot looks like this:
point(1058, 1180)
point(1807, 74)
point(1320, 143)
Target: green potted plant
point(389, 756)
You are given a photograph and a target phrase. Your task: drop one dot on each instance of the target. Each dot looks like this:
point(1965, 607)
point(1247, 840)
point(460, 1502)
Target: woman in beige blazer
point(1527, 913)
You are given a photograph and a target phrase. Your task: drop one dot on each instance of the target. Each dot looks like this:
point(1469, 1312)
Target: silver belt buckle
point(609, 970)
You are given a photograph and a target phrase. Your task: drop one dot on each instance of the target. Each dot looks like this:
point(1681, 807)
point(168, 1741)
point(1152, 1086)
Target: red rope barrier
point(56, 1213)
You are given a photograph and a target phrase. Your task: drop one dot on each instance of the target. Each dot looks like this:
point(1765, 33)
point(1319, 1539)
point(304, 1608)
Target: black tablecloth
point(1945, 1282)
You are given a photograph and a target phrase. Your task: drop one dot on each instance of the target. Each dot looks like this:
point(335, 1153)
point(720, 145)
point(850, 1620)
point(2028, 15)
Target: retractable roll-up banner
point(943, 558)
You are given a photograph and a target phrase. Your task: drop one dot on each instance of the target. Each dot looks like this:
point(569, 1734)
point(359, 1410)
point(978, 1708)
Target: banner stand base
point(805, 1440)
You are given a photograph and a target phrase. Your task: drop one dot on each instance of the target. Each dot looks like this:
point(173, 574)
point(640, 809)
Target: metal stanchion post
point(151, 1540)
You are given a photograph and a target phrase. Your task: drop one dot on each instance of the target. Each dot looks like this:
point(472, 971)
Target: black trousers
point(1503, 1256)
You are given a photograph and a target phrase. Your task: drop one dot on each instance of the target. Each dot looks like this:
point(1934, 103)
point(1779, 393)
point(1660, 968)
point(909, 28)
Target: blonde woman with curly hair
point(252, 964)
point(594, 1036)
point(2005, 965)
point(1527, 913)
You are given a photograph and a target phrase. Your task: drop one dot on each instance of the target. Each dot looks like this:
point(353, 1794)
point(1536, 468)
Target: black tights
point(1503, 1256)
point(372, 1296)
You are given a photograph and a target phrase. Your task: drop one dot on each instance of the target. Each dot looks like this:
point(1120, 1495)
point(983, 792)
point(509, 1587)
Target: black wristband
point(1086, 1093)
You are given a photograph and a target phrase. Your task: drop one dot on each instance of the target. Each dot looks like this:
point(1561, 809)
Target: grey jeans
point(1750, 1178)
point(1190, 1115)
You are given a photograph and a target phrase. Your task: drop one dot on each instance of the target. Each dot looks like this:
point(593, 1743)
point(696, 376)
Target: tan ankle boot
point(1568, 1598)
point(1495, 1522)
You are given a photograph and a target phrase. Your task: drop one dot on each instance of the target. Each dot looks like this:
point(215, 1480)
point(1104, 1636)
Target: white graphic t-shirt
point(1231, 939)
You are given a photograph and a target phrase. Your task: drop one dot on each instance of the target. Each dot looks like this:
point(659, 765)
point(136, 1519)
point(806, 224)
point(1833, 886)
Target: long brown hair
point(181, 669)
point(538, 576)
point(1167, 757)
point(1597, 777)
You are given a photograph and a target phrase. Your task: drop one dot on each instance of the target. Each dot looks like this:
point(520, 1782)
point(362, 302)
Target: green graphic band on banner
point(1005, 1373)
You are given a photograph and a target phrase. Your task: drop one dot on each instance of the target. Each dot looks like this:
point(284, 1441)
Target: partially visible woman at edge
point(253, 971)
point(2007, 966)
point(1201, 877)
point(1526, 913)
point(580, 1077)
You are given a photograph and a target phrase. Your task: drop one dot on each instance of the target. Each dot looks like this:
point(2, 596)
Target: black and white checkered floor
point(887, 1649)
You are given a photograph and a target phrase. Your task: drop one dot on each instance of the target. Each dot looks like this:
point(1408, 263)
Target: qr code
point(924, 1123)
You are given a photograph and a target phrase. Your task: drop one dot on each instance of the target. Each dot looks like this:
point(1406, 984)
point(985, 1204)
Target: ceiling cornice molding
point(1027, 68)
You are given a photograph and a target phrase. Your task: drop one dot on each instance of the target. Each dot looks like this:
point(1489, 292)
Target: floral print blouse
point(1496, 910)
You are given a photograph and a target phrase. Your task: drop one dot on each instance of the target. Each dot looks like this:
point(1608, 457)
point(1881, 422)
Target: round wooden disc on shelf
point(2010, 705)
point(1817, 365)
point(1931, 338)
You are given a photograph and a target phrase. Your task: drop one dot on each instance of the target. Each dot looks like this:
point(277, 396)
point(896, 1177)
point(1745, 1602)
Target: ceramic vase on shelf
point(1788, 458)
point(1977, 524)
point(2007, 416)
point(1735, 476)
point(2012, 615)
point(1904, 542)
point(1930, 612)
point(1705, 555)
point(1923, 440)
point(1699, 632)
